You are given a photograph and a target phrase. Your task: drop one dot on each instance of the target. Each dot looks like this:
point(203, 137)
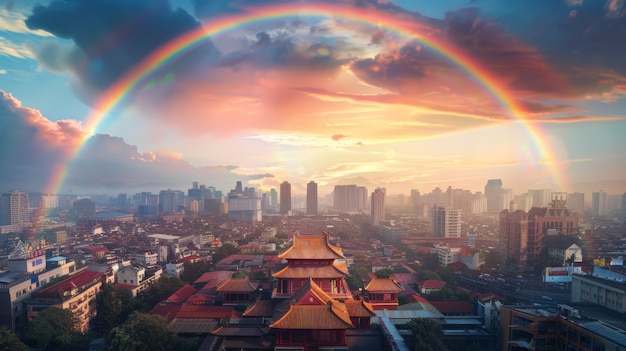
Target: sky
point(111, 96)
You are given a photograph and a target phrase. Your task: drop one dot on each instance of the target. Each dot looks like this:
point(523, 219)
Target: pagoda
point(312, 256)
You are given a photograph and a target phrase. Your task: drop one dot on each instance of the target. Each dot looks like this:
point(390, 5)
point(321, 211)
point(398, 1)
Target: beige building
point(77, 293)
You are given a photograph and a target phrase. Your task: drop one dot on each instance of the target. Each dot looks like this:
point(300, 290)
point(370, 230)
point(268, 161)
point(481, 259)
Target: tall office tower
point(505, 198)
point(445, 223)
point(285, 197)
point(171, 201)
point(345, 197)
point(311, 198)
point(265, 201)
point(523, 202)
point(598, 203)
point(513, 238)
point(122, 201)
point(540, 197)
point(416, 197)
point(273, 198)
point(362, 197)
point(493, 192)
point(244, 209)
point(250, 192)
point(378, 206)
point(624, 208)
point(576, 202)
point(195, 185)
point(238, 188)
point(49, 201)
point(15, 208)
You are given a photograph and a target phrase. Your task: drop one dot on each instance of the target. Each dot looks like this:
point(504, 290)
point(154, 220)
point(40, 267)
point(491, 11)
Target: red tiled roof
point(181, 295)
point(77, 280)
point(457, 266)
point(237, 285)
point(432, 284)
point(260, 308)
point(205, 311)
point(167, 311)
point(199, 299)
point(453, 306)
point(96, 249)
point(215, 276)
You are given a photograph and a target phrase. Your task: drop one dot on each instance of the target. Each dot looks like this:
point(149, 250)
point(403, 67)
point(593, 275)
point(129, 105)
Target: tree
point(239, 275)
point(193, 270)
point(51, 329)
point(384, 273)
point(160, 290)
point(260, 276)
point(142, 332)
point(10, 341)
point(427, 334)
point(224, 251)
point(114, 305)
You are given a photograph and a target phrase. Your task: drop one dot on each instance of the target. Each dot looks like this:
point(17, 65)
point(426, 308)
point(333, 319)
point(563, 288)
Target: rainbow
point(391, 23)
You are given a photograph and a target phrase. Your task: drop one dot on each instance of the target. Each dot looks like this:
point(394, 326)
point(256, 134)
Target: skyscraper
point(171, 201)
point(598, 203)
point(285, 197)
point(493, 192)
point(540, 197)
point(273, 198)
point(576, 202)
point(311, 198)
point(15, 208)
point(445, 223)
point(378, 206)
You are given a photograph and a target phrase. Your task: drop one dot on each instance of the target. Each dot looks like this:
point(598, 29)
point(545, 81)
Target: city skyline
point(399, 95)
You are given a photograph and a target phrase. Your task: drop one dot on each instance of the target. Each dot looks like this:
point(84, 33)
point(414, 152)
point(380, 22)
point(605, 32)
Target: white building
point(445, 223)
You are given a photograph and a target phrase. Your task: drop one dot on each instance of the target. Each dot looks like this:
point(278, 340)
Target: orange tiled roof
point(311, 247)
point(383, 285)
point(432, 284)
point(359, 308)
point(181, 295)
point(260, 308)
point(237, 285)
point(314, 317)
point(205, 311)
point(332, 271)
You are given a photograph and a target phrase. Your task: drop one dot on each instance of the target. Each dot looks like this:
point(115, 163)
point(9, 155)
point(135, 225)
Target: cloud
point(12, 49)
point(111, 36)
point(13, 21)
point(40, 148)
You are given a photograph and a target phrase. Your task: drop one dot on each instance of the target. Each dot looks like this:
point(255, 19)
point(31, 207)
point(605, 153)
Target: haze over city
point(117, 95)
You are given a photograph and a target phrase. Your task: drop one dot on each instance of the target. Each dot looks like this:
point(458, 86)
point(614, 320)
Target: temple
point(311, 306)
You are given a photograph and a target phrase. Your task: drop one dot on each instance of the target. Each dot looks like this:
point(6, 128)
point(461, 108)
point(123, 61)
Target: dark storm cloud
point(110, 36)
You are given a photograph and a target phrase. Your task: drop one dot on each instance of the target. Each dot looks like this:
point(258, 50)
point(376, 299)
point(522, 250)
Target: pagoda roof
point(330, 314)
point(311, 247)
point(314, 317)
point(236, 285)
point(383, 285)
point(330, 271)
point(359, 308)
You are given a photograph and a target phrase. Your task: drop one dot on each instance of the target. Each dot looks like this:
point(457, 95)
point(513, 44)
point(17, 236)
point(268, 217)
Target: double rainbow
point(182, 44)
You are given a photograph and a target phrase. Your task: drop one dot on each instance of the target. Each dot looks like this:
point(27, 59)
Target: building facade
point(285, 197)
point(378, 206)
point(311, 198)
point(14, 207)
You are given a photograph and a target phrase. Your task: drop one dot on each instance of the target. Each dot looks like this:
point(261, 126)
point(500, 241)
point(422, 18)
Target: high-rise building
point(598, 203)
point(445, 223)
point(624, 208)
point(350, 198)
point(540, 197)
point(521, 237)
point(84, 207)
point(576, 202)
point(513, 238)
point(311, 198)
point(493, 192)
point(273, 198)
point(171, 201)
point(378, 206)
point(285, 197)
point(15, 208)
